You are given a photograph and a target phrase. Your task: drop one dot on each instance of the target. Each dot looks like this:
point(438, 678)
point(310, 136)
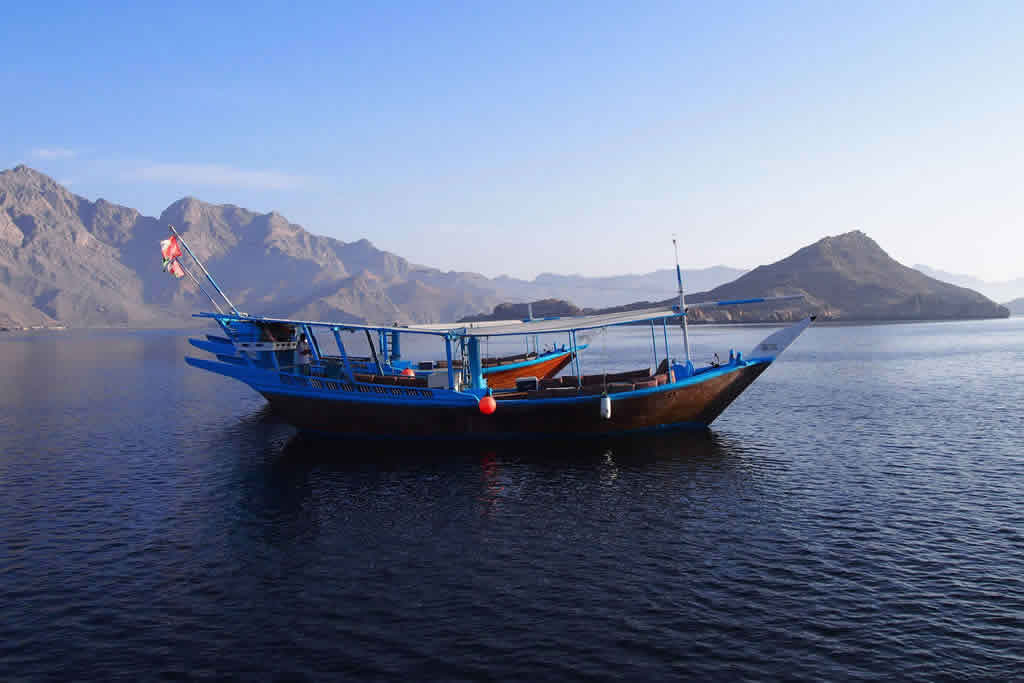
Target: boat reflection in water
point(310, 473)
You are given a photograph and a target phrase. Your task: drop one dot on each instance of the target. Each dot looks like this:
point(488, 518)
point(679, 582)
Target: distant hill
point(543, 308)
point(999, 290)
point(845, 277)
point(1016, 306)
point(613, 290)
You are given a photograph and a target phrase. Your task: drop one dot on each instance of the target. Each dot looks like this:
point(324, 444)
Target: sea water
point(857, 513)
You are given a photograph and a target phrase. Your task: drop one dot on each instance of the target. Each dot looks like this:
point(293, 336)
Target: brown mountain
point(845, 277)
point(66, 259)
point(61, 256)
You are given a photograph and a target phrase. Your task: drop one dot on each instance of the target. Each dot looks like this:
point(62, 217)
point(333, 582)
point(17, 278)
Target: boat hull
point(691, 404)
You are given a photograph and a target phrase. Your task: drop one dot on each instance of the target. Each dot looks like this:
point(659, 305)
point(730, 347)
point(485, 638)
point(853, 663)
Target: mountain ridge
point(67, 260)
point(842, 277)
point(64, 258)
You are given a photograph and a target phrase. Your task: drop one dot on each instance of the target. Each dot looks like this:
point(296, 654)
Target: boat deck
point(556, 387)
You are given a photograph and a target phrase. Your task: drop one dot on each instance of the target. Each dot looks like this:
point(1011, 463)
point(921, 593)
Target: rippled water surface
point(857, 513)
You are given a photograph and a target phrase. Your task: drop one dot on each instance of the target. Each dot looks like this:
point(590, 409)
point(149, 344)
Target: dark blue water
point(856, 514)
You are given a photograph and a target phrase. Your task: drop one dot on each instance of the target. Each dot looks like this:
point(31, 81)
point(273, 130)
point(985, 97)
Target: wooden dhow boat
point(385, 396)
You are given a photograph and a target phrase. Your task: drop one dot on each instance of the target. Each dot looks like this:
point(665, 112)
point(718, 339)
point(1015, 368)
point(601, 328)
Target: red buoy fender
point(488, 405)
point(408, 372)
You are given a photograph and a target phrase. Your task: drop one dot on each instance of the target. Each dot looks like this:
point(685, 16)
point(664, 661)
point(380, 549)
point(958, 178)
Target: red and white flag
point(170, 249)
point(175, 269)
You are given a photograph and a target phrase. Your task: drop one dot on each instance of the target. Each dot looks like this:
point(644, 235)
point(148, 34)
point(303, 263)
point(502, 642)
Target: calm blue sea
point(857, 514)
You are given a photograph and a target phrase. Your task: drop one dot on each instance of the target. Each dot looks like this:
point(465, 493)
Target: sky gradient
point(523, 139)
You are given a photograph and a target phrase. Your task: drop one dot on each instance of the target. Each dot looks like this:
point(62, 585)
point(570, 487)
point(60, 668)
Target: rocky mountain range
point(67, 260)
point(64, 258)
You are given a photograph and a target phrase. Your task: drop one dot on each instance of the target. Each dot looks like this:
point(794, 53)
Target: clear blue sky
point(544, 136)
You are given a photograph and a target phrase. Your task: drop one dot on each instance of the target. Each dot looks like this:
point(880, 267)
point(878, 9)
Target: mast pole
point(682, 304)
point(205, 271)
point(200, 286)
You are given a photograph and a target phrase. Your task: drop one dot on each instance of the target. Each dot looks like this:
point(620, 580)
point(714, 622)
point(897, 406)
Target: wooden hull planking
point(673, 406)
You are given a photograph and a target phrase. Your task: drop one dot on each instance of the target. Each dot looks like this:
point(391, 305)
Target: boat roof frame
point(512, 328)
point(488, 328)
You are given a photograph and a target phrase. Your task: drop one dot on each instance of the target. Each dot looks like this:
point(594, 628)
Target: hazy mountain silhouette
point(1016, 306)
point(997, 290)
point(615, 290)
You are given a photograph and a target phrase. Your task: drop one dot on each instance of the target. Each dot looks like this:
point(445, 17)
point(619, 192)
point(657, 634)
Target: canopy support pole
point(313, 345)
point(476, 371)
point(396, 346)
point(448, 353)
point(373, 352)
point(344, 355)
point(654, 348)
point(664, 330)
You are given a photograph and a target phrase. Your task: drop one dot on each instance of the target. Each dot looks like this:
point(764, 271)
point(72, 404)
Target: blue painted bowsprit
point(205, 271)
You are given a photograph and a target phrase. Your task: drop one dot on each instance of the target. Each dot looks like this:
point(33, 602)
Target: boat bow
point(772, 346)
